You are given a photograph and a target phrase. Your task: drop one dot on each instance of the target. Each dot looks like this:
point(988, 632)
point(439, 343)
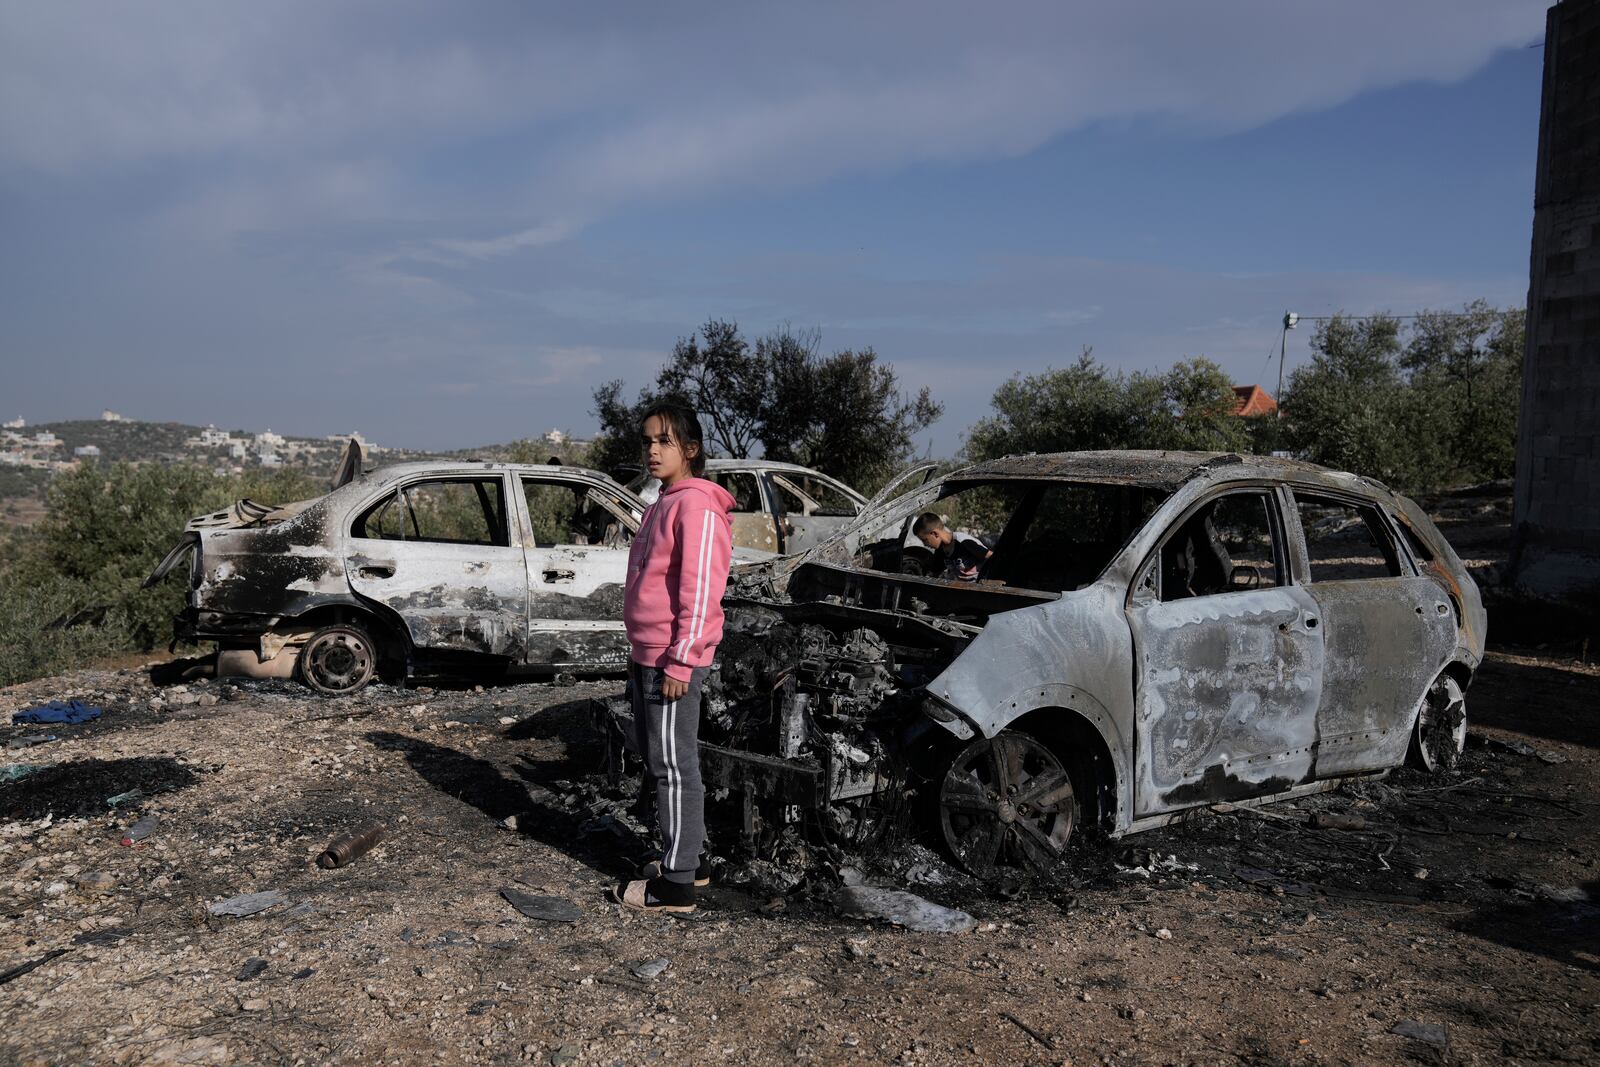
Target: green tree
point(1422, 407)
point(726, 381)
point(1465, 372)
point(843, 414)
point(1086, 406)
point(1199, 398)
point(1346, 408)
point(617, 443)
point(69, 588)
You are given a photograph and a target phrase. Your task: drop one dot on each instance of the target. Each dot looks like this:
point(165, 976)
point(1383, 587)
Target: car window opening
point(741, 485)
point(1345, 541)
point(464, 511)
point(570, 513)
point(1042, 536)
point(1228, 545)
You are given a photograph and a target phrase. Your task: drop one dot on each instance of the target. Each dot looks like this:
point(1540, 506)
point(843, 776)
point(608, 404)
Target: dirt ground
point(1461, 917)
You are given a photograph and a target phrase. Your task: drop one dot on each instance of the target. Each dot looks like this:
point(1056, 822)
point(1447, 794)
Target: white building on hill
point(211, 437)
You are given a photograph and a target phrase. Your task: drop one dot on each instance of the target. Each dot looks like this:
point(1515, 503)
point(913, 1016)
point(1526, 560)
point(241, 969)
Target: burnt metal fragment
point(550, 909)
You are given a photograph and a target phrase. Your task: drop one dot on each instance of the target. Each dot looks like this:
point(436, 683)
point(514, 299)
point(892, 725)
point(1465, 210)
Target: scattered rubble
point(550, 909)
point(902, 909)
point(648, 969)
point(246, 904)
point(141, 829)
point(1430, 1033)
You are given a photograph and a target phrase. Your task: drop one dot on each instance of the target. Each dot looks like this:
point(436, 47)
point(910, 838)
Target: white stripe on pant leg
point(669, 731)
point(670, 766)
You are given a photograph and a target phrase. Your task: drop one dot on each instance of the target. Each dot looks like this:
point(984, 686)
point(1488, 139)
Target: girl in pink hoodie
point(672, 608)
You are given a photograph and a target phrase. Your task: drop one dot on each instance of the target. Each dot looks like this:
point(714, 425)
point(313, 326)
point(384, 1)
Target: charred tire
point(1440, 735)
point(339, 660)
point(1007, 800)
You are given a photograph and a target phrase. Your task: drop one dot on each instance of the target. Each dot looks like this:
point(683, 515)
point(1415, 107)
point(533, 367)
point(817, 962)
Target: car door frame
point(585, 636)
point(812, 529)
point(760, 529)
point(1271, 745)
point(1386, 640)
point(436, 600)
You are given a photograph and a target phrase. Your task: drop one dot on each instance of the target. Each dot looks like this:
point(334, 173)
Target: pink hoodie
point(677, 570)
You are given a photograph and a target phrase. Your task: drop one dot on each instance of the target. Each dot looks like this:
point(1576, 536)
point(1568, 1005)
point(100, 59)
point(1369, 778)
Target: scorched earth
point(1455, 927)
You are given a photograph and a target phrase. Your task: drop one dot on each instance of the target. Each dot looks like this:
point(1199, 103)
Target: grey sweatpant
point(668, 736)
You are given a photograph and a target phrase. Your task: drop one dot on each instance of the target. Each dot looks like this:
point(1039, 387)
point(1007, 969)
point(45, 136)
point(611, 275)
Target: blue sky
point(445, 224)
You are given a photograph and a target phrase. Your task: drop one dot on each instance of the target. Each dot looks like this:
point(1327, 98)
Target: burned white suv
point(419, 565)
point(1153, 631)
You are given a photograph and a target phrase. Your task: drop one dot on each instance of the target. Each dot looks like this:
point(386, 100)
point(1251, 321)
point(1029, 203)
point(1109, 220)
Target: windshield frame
point(845, 547)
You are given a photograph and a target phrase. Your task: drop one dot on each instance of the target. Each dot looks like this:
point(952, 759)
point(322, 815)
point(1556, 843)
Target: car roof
point(454, 466)
point(1167, 470)
point(762, 464)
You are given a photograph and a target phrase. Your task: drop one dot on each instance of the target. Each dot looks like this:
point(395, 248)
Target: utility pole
point(1289, 321)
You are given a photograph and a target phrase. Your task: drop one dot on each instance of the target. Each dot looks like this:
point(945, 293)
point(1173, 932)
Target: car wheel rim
point(338, 662)
point(1006, 800)
point(1442, 725)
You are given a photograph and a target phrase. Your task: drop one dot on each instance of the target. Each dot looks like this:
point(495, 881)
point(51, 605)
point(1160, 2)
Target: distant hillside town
point(115, 438)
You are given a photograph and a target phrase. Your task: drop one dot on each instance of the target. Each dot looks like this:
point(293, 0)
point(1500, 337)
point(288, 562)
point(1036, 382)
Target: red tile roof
point(1253, 401)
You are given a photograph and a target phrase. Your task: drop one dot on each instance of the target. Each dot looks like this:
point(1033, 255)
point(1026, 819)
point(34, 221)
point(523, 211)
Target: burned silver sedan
point(466, 566)
point(1152, 632)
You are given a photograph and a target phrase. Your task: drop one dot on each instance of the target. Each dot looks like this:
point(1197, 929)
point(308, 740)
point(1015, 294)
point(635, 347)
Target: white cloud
point(580, 110)
point(544, 233)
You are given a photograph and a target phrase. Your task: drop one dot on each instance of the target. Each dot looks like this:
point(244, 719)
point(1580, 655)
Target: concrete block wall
point(1556, 515)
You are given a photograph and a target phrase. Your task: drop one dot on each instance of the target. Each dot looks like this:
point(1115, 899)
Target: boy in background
point(958, 555)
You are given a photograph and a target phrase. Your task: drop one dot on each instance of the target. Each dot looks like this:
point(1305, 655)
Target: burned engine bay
point(814, 720)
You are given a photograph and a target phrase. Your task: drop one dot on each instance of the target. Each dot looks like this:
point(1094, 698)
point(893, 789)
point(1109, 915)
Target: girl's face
point(664, 455)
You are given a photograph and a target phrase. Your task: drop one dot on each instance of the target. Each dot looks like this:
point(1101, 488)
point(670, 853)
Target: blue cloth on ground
point(69, 711)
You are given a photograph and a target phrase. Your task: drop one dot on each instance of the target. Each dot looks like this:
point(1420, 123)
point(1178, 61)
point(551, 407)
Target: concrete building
point(107, 415)
point(1555, 550)
point(18, 423)
point(211, 437)
point(87, 451)
point(268, 440)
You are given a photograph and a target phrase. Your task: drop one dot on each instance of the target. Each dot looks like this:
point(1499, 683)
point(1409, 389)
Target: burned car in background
point(1154, 632)
point(448, 566)
point(777, 507)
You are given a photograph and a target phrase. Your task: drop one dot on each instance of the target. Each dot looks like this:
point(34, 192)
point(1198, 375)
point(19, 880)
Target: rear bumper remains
point(192, 624)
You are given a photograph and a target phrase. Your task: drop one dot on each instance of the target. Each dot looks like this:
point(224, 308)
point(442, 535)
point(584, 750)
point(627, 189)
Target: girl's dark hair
point(684, 426)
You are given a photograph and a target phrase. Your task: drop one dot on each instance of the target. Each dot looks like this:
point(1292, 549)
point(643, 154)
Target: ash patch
point(82, 787)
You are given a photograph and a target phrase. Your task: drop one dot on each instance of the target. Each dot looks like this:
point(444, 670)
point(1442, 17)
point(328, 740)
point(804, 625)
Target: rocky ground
point(1456, 927)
